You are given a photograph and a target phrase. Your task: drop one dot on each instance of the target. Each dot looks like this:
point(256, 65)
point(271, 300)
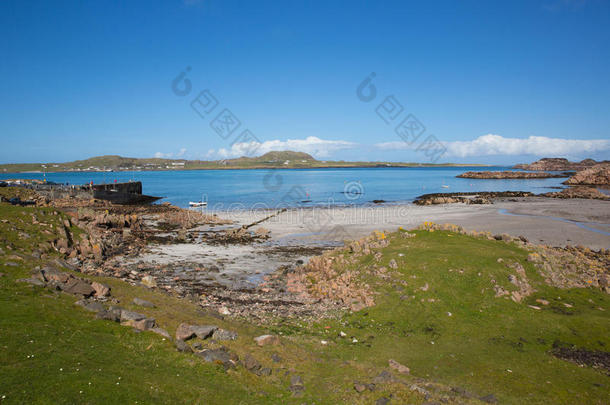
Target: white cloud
point(395, 145)
point(312, 145)
point(489, 145)
point(534, 145)
point(171, 155)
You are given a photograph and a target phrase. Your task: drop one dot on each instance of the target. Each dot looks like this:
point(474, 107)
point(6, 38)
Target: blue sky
point(495, 82)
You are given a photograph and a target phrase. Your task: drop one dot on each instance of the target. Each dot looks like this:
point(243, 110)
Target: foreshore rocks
point(510, 175)
point(598, 175)
point(578, 192)
point(557, 164)
point(467, 197)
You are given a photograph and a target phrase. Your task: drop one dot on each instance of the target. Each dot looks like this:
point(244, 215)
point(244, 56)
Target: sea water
point(271, 188)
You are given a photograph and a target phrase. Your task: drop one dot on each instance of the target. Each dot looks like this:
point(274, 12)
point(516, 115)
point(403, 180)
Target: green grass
point(51, 350)
point(488, 344)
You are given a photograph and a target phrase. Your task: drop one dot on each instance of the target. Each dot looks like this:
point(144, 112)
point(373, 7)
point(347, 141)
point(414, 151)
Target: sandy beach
point(295, 235)
point(548, 221)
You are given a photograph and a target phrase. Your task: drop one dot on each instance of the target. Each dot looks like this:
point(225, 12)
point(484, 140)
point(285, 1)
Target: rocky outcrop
point(597, 175)
point(589, 193)
point(556, 164)
point(467, 197)
point(510, 175)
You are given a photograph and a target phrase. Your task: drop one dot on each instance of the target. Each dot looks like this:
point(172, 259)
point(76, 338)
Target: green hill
point(284, 156)
point(274, 159)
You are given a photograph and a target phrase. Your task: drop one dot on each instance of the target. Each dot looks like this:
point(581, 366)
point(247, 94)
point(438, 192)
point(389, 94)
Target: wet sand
point(549, 221)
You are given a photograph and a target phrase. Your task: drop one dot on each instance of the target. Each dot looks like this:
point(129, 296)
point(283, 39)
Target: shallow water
point(236, 189)
point(582, 225)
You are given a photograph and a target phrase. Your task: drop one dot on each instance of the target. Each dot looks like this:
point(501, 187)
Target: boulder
point(64, 264)
point(162, 332)
point(182, 346)
point(97, 251)
point(131, 316)
point(359, 387)
point(223, 334)
point(219, 356)
point(143, 303)
point(101, 290)
point(419, 390)
point(78, 287)
point(251, 364)
point(109, 315)
point(149, 281)
point(33, 281)
point(52, 274)
point(184, 332)
point(140, 324)
point(265, 340)
point(402, 369)
point(204, 332)
point(92, 306)
point(262, 232)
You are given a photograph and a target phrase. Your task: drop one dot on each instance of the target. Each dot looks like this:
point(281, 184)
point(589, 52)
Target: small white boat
point(444, 186)
point(197, 204)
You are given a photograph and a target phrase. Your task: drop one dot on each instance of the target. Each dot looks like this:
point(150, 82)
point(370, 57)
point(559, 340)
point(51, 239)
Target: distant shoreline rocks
point(486, 197)
point(511, 175)
point(598, 175)
point(558, 164)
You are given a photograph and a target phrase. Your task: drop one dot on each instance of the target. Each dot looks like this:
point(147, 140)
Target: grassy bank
point(435, 311)
point(458, 332)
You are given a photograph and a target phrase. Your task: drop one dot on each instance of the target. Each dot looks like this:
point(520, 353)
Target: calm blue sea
point(224, 189)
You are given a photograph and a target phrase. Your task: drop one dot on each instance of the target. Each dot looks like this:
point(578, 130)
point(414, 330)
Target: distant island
point(558, 164)
point(511, 175)
point(270, 160)
point(587, 172)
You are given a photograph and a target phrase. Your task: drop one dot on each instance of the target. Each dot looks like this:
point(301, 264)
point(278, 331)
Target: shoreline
point(542, 220)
